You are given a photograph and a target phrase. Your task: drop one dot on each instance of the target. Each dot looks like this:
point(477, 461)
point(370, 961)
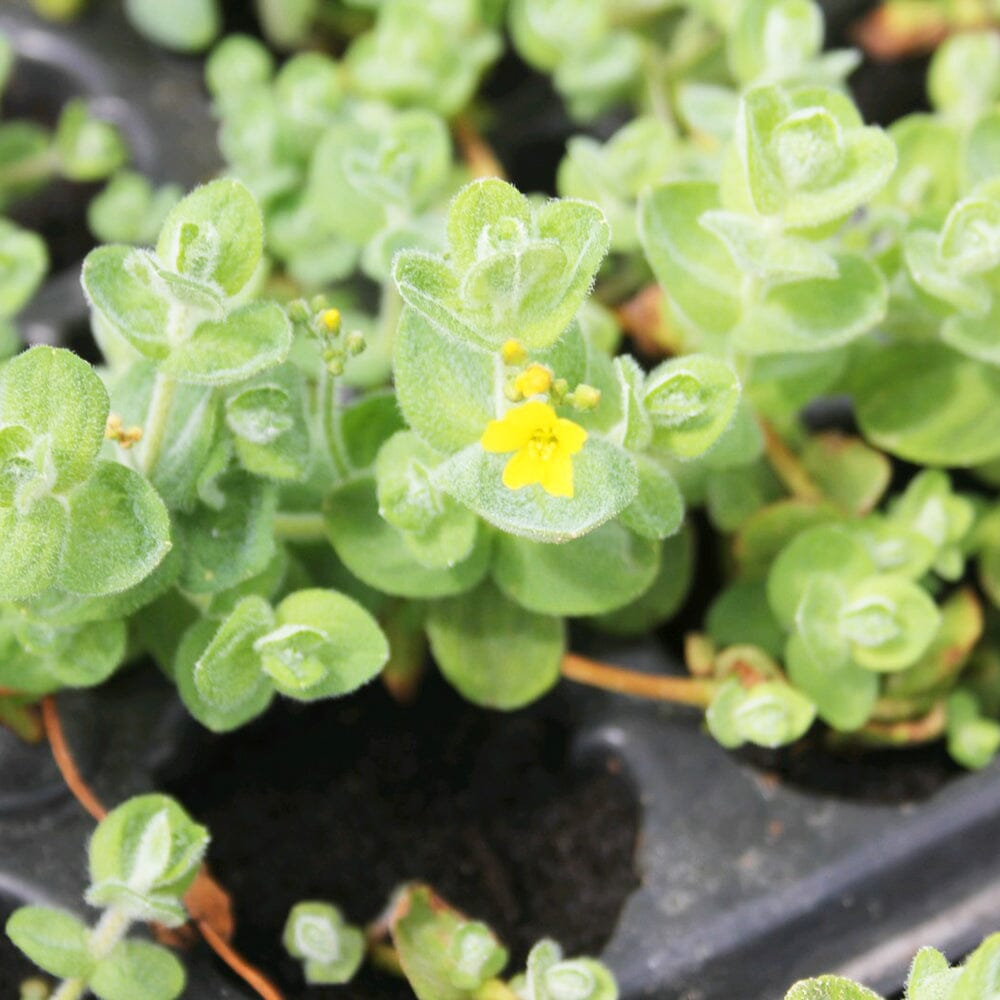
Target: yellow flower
point(533, 380)
point(543, 442)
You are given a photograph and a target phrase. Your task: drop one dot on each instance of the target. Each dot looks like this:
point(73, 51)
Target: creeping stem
point(658, 687)
point(788, 468)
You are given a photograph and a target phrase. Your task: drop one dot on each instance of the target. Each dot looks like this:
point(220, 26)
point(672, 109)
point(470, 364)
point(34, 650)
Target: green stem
point(156, 423)
point(299, 526)
point(110, 929)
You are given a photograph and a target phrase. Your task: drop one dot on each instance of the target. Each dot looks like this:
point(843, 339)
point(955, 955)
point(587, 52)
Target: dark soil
point(346, 800)
point(882, 777)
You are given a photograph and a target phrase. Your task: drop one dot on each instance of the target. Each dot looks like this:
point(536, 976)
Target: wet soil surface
point(346, 800)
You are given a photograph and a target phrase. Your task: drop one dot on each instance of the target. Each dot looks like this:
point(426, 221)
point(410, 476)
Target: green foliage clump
point(439, 952)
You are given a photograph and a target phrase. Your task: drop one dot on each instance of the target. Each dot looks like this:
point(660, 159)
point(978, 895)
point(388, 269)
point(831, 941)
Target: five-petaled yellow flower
point(544, 443)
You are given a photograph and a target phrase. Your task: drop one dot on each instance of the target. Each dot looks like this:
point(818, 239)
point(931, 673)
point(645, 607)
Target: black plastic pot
point(749, 879)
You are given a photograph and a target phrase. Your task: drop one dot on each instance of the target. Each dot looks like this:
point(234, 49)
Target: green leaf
point(248, 341)
point(816, 314)
point(890, 622)
point(56, 941)
point(828, 549)
point(687, 259)
point(741, 615)
point(119, 532)
point(964, 75)
point(228, 672)
point(774, 37)
point(928, 404)
point(597, 573)
point(215, 235)
point(605, 481)
point(130, 209)
point(124, 289)
point(851, 474)
point(551, 977)
point(830, 988)
point(227, 544)
point(444, 956)
point(692, 401)
point(769, 714)
point(495, 652)
point(31, 547)
point(973, 739)
point(664, 596)
point(236, 66)
point(844, 694)
point(138, 970)
point(58, 398)
point(331, 950)
point(143, 857)
point(514, 271)
point(26, 161)
point(322, 645)
point(186, 26)
point(88, 149)
point(375, 551)
point(930, 971)
point(806, 156)
point(438, 531)
point(23, 263)
point(981, 972)
point(658, 508)
point(447, 412)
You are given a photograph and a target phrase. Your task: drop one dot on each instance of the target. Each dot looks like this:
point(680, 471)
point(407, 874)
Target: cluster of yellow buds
point(116, 431)
point(537, 380)
point(326, 323)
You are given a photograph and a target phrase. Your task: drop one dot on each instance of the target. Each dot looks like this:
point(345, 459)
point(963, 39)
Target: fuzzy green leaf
point(138, 970)
point(331, 950)
point(496, 653)
point(54, 940)
point(597, 573)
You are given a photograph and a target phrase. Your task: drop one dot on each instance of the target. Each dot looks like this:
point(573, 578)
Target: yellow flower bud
point(513, 352)
point(534, 380)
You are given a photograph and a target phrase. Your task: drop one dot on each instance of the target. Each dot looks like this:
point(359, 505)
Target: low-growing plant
point(359, 400)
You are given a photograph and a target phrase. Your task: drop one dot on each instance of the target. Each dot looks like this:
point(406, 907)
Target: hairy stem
point(111, 928)
point(656, 687)
point(299, 526)
point(155, 431)
point(788, 468)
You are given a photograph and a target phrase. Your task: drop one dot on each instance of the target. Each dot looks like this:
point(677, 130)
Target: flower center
point(543, 445)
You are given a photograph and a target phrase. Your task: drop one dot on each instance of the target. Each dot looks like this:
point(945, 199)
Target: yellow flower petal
point(570, 435)
point(557, 478)
point(522, 470)
point(517, 426)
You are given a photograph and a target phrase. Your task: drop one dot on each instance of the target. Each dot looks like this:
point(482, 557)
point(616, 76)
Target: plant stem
point(788, 467)
point(110, 929)
point(299, 526)
point(385, 957)
point(477, 153)
point(65, 762)
point(910, 732)
point(657, 687)
point(70, 989)
point(156, 423)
